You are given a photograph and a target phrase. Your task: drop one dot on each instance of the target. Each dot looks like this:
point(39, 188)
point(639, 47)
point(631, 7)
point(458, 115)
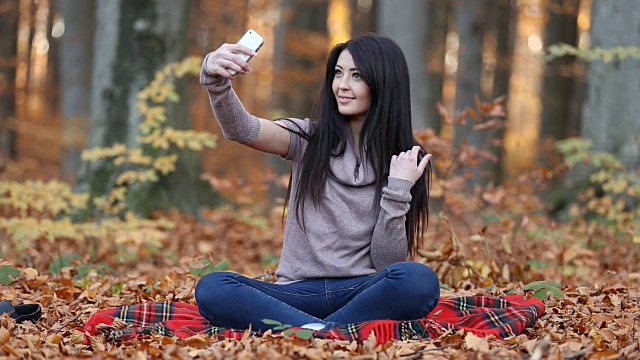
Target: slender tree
point(471, 23)
point(363, 18)
point(74, 69)
point(505, 15)
point(438, 27)
point(471, 19)
point(407, 25)
point(559, 83)
point(9, 13)
point(300, 51)
point(610, 115)
point(301, 48)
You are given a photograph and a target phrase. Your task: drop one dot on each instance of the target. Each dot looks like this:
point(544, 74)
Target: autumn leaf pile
point(490, 240)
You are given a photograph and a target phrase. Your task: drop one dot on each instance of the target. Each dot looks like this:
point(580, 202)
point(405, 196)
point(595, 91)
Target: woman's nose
point(344, 83)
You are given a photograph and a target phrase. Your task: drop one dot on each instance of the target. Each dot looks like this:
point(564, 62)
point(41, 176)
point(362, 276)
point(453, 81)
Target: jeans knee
point(420, 282)
point(209, 291)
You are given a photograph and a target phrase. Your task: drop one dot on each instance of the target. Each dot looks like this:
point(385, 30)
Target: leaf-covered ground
point(494, 241)
point(597, 318)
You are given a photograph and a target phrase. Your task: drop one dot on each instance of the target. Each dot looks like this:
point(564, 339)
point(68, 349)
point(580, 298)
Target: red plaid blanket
point(499, 316)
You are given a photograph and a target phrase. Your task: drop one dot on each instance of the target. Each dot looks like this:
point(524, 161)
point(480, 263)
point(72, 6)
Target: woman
point(357, 197)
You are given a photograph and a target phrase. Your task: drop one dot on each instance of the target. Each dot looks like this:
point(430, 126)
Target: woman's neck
point(355, 126)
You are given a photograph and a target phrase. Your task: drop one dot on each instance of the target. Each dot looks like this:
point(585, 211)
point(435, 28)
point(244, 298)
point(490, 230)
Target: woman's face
point(352, 93)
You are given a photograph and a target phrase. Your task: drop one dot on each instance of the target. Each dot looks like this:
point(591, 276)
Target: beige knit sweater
point(347, 234)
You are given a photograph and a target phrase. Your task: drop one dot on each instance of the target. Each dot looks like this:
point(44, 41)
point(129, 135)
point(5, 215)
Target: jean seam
point(351, 287)
point(280, 291)
point(362, 292)
point(327, 295)
point(274, 299)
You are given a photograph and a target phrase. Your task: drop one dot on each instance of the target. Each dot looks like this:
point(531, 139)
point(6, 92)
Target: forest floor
point(492, 246)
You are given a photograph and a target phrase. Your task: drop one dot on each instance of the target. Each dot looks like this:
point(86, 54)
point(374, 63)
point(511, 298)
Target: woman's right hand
point(405, 165)
point(225, 58)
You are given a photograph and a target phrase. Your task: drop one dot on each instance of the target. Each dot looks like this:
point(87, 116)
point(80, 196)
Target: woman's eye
point(356, 76)
point(338, 72)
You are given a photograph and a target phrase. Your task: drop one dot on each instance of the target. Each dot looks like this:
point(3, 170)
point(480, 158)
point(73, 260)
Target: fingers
point(237, 48)
point(411, 153)
point(228, 57)
point(423, 163)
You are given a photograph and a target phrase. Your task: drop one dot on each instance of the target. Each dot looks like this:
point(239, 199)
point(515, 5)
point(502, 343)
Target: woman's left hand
point(405, 165)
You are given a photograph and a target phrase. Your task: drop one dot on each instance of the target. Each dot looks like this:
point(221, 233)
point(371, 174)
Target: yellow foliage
point(133, 156)
point(591, 54)
point(35, 196)
point(132, 176)
point(23, 230)
point(104, 153)
point(43, 209)
point(617, 187)
point(166, 164)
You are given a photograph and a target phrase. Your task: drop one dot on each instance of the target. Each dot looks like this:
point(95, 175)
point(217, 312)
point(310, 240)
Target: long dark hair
point(386, 130)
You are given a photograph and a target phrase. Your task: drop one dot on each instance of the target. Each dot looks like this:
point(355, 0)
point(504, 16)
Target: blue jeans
point(402, 291)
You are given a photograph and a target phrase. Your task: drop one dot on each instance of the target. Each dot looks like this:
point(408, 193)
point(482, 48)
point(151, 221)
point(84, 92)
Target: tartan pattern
point(483, 315)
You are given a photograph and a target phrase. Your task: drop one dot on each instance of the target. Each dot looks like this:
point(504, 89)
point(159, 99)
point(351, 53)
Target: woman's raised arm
point(236, 123)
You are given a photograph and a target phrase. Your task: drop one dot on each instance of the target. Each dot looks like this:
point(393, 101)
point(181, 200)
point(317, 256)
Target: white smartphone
point(253, 41)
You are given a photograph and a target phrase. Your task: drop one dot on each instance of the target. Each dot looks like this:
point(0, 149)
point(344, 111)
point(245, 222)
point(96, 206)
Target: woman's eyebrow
point(352, 69)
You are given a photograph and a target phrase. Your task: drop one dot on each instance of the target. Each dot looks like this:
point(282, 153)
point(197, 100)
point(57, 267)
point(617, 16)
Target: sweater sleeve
point(236, 123)
point(389, 240)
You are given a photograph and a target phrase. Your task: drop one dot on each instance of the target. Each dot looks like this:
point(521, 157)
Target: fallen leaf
point(473, 342)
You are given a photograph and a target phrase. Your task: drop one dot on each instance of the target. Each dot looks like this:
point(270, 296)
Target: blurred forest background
point(530, 107)
point(541, 70)
point(65, 64)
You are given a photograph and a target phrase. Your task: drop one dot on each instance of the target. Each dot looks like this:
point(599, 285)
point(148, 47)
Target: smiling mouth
point(344, 99)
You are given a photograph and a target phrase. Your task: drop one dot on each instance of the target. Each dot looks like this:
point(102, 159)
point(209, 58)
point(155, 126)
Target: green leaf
point(510, 292)
point(202, 271)
point(116, 289)
point(222, 266)
point(445, 286)
point(7, 273)
point(305, 334)
point(536, 285)
point(209, 267)
point(173, 97)
point(5, 279)
point(541, 294)
point(556, 292)
point(63, 261)
point(271, 322)
point(282, 327)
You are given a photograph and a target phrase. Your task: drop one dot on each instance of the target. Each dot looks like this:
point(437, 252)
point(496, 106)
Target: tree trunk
point(471, 23)
point(363, 16)
point(505, 15)
point(470, 18)
point(559, 84)
point(75, 57)
point(9, 15)
point(610, 115)
point(406, 25)
point(300, 53)
point(438, 13)
point(132, 41)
